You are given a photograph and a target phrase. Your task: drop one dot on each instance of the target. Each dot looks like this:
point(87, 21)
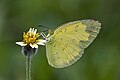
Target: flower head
point(31, 38)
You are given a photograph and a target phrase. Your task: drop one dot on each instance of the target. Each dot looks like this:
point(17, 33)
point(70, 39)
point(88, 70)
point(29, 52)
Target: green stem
point(28, 67)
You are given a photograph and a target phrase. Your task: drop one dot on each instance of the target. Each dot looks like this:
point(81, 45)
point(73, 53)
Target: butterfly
point(65, 45)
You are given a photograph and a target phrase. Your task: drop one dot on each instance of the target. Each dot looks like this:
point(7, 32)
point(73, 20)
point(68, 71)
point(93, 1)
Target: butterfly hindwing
point(68, 42)
point(62, 54)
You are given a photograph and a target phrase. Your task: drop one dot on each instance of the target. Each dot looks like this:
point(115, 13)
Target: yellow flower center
point(30, 37)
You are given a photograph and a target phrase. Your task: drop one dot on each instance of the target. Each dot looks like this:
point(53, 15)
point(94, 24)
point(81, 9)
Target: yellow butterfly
point(66, 44)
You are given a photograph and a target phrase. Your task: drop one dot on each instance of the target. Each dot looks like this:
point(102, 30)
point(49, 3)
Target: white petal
point(30, 29)
point(34, 45)
point(41, 42)
point(44, 41)
point(35, 32)
point(21, 43)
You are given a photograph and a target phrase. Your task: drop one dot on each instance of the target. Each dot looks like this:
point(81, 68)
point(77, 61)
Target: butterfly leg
point(44, 36)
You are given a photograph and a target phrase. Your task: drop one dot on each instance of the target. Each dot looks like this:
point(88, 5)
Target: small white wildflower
point(31, 38)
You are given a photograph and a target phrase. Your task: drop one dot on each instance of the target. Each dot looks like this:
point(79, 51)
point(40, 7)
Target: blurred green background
point(100, 60)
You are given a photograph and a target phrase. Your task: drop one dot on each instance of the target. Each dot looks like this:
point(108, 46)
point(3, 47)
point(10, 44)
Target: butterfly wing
point(68, 42)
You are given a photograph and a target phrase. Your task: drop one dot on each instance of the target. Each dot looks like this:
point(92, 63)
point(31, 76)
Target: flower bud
point(29, 51)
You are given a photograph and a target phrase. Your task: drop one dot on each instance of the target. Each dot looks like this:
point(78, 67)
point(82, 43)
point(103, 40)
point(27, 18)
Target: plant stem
point(28, 67)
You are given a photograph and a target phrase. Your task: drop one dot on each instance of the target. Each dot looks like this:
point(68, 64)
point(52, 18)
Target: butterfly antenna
point(43, 26)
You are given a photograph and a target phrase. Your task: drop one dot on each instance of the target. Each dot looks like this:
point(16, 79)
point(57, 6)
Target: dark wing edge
point(93, 28)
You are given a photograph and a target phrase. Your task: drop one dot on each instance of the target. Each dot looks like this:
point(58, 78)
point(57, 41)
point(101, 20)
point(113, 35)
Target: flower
point(31, 38)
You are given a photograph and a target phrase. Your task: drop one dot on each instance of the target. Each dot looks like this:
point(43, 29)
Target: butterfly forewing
point(68, 42)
